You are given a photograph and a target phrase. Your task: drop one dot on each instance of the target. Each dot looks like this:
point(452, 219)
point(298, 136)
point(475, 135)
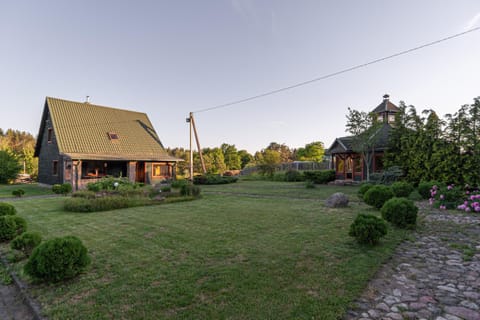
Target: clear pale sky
point(167, 58)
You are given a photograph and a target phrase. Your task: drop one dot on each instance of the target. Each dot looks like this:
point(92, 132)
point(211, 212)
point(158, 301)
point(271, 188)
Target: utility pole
point(193, 130)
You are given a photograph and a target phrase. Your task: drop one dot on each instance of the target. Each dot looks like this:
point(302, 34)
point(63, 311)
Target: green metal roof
point(82, 132)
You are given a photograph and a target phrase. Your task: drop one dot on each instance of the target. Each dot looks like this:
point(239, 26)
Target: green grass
point(282, 189)
point(223, 256)
point(32, 189)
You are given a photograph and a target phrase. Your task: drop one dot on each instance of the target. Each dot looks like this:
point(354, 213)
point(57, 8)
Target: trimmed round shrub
point(368, 229)
point(57, 259)
point(400, 212)
point(8, 228)
point(424, 188)
point(6, 209)
point(21, 224)
point(376, 196)
point(402, 189)
point(26, 242)
point(364, 187)
point(64, 188)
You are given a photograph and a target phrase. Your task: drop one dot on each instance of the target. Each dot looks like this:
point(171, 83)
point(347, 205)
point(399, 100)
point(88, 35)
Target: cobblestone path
point(12, 307)
point(436, 275)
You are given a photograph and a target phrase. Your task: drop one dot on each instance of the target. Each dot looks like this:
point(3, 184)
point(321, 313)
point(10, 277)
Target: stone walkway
point(12, 307)
point(436, 275)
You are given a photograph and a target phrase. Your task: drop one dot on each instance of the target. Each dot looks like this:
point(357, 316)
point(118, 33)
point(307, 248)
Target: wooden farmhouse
point(347, 163)
point(80, 143)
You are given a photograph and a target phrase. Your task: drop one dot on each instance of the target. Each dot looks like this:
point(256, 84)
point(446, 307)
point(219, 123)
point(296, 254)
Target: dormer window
point(113, 136)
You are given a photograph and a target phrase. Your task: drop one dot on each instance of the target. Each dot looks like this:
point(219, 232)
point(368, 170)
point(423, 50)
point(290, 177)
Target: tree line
point(429, 148)
point(16, 152)
point(227, 157)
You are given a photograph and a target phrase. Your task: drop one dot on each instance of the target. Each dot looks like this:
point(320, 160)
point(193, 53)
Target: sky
point(169, 58)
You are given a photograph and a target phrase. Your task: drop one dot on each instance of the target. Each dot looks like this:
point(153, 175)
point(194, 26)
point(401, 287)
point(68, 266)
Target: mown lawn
point(223, 256)
point(282, 189)
point(31, 189)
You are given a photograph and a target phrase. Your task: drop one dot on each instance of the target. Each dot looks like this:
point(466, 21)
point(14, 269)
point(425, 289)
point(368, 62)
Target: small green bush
point(415, 196)
point(377, 195)
point(18, 193)
point(177, 184)
point(368, 229)
point(424, 188)
point(26, 242)
point(190, 190)
point(309, 184)
point(57, 259)
point(320, 176)
point(293, 176)
point(166, 189)
point(402, 189)
point(21, 224)
point(364, 187)
point(64, 188)
point(401, 212)
point(6, 209)
point(56, 188)
point(8, 228)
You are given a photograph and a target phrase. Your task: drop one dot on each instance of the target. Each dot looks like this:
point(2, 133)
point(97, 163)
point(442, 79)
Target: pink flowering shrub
point(471, 204)
point(452, 197)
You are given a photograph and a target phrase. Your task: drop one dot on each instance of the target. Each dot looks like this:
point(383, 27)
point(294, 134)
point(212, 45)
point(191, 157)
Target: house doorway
point(140, 172)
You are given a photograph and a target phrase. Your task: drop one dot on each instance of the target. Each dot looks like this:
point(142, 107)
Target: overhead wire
point(333, 74)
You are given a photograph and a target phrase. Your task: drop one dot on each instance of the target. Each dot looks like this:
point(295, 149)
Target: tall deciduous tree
point(231, 157)
point(311, 152)
point(365, 130)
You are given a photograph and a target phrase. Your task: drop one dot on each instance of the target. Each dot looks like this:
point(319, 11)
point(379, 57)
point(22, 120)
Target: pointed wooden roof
point(88, 131)
point(386, 106)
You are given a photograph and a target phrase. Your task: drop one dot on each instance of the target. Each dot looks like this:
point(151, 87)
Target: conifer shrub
point(400, 212)
point(368, 229)
point(58, 259)
point(8, 228)
point(402, 189)
point(377, 195)
point(364, 187)
point(26, 242)
point(6, 209)
point(21, 224)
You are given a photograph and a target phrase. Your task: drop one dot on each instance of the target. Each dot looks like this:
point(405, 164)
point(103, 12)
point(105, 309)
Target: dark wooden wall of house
point(48, 153)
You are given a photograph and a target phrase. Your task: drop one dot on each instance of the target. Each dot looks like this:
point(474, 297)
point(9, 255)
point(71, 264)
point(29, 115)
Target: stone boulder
point(337, 200)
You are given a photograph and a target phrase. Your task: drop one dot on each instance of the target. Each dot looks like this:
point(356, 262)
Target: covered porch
point(81, 172)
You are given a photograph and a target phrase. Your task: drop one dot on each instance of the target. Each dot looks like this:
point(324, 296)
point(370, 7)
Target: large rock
point(337, 200)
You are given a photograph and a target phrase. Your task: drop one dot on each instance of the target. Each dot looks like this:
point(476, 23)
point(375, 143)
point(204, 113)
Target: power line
point(330, 75)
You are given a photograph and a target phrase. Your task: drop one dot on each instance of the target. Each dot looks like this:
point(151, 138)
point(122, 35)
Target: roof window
point(113, 136)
